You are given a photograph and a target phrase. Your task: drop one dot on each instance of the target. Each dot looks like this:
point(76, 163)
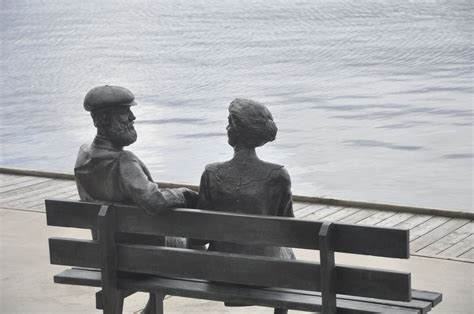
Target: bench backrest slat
point(243, 229)
point(240, 269)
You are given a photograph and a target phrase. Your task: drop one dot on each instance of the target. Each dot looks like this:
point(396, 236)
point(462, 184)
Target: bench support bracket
point(112, 300)
point(328, 268)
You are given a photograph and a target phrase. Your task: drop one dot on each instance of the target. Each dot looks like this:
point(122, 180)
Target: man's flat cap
point(101, 97)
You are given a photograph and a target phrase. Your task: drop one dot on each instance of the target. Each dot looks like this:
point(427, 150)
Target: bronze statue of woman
point(246, 184)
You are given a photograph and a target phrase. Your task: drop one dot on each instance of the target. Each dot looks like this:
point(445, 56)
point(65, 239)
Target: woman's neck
point(244, 153)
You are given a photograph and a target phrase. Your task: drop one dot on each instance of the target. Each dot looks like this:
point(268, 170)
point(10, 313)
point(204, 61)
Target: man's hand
point(190, 196)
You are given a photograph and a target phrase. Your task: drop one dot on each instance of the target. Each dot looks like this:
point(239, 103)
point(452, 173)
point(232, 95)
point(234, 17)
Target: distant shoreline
point(453, 213)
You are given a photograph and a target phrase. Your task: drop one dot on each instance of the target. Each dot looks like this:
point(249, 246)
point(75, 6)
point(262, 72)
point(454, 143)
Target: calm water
point(373, 99)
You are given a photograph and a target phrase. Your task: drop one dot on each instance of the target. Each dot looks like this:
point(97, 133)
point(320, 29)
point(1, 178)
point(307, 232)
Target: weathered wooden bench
point(121, 269)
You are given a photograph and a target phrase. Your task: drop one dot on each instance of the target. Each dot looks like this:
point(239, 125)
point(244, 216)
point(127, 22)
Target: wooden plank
point(421, 300)
point(192, 264)
point(342, 213)
point(349, 238)
point(300, 205)
point(437, 234)
point(69, 195)
point(434, 297)
point(320, 214)
point(449, 240)
point(260, 297)
point(79, 253)
point(5, 176)
point(79, 277)
point(29, 186)
point(74, 196)
point(309, 210)
point(63, 213)
point(376, 218)
point(421, 306)
point(351, 279)
point(221, 267)
point(459, 248)
point(28, 182)
point(469, 255)
point(65, 189)
point(38, 189)
point(357, 216)
point(426, 227)
point(413, 222)
point(39, 197)
point(7, 180)
point(236, 228)
point(394, 220)
point(191, 288)
point(39, 207)
point(213, 291)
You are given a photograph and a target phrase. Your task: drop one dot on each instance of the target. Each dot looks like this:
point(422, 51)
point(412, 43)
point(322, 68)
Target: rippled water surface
point(373, 99)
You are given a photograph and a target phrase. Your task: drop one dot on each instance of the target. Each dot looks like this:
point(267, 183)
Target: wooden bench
point(121, 269)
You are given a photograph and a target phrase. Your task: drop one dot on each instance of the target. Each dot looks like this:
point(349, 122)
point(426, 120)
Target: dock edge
point(298, 198)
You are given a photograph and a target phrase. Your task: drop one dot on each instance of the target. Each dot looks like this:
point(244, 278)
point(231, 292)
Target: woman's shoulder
point(260, 171)
point(216, 166)
point(275, 168)
point(270, 165)
point(222, 171)
point(277, 171)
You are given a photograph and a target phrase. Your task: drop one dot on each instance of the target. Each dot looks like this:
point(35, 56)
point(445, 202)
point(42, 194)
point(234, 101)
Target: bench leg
point(154, 304)
point(119, 306)
point(99, 297)
point(113, 302)
point(280, 311)
point(99, 300)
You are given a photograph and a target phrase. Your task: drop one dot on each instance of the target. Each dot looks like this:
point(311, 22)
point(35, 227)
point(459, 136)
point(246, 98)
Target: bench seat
point(422, 301)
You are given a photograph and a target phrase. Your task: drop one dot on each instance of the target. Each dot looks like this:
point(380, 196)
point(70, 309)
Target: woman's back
point(246, 184)
point(261, 188)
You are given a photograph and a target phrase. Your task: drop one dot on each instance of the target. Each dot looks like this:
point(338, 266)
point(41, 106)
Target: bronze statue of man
point(105, 172)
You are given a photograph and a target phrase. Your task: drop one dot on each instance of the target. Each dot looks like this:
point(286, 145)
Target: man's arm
point(145, 193)
point(204, 202)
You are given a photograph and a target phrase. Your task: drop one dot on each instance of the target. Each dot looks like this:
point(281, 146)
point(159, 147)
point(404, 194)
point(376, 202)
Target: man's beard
point(122, 134)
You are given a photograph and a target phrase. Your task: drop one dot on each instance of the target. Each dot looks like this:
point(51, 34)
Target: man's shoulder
point(83, 155)
point(129, 160)
point(84, 149)
point(128, 156)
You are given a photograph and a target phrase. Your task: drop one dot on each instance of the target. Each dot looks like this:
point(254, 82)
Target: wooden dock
point(437, 236)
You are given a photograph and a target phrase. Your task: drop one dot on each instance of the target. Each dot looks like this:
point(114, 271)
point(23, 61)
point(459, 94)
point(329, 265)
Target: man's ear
point(101, 118)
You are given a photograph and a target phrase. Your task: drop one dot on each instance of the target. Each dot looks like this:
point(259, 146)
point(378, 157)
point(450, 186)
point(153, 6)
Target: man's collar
point(105, 143)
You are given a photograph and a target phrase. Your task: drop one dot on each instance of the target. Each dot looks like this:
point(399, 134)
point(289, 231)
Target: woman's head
point(250, 124)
